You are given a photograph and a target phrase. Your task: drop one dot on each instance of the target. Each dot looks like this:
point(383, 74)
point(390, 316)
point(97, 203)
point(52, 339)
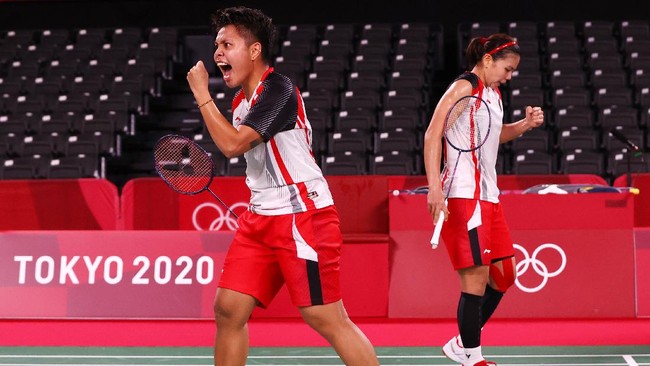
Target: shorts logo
point(539, 267)
point(216, 216)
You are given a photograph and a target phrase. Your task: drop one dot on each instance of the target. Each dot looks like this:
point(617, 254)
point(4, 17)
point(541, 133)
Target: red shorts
point(475, 236)
point(300, 249)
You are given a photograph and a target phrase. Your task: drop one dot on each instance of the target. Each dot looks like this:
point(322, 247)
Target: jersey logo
point(312, 195)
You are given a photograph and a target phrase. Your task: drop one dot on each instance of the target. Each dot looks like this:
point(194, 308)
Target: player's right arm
point(433, 140)
point(230, 140)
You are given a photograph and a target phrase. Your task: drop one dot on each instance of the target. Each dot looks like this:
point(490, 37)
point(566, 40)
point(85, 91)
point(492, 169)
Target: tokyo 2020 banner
point(110, 274)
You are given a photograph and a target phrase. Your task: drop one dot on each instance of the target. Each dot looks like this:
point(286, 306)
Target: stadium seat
point(128, 37)
point(342, 164)
point(574, 116)
point(404, 142)
point(67, 171)
point(559, 29)
point(377, 32)
point(536, 139)
point(617, 163)
point(575, 139)
point(359, 121)
point(165, 37)
point(583, 163)
point(392, 164)
point(354, 142)
point(523, 30)
point(622, 116)
point(533, 164)
point(11, 170)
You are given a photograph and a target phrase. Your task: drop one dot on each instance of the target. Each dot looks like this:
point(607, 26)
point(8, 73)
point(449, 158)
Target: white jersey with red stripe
point(472, 181)
point(281, 173)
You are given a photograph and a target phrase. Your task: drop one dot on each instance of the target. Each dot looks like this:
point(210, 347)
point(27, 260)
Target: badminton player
point(290, 233)
point(475, 233)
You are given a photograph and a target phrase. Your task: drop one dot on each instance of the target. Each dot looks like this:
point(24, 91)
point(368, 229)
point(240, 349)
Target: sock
point(474, 355)
point(469, 320)
point(489, 303)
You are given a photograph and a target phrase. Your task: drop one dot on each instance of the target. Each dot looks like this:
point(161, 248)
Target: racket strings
point(467, 124)
point(467, 128)
point(182, 164)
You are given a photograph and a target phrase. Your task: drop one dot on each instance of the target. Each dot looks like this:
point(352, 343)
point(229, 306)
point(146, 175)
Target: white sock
point(474, 355)
point(460, 340)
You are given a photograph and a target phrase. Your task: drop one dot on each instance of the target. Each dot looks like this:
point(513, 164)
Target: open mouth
point(225, 68)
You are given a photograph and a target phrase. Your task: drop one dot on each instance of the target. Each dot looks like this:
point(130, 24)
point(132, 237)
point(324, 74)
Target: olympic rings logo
point(223, 216)
point(531, 261)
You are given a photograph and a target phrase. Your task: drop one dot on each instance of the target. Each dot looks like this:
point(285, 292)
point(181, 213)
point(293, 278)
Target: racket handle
point(435, 238)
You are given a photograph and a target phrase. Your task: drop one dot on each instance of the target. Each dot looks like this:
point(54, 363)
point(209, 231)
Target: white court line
point(125, 356)
point(630, 361)
point(137, 364)
point(107, 356)
point(114, 364)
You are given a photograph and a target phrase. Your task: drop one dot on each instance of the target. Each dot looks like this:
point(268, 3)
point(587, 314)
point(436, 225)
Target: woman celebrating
point(475, 233)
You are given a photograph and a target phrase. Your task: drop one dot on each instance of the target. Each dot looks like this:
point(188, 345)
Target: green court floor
point(556, 356)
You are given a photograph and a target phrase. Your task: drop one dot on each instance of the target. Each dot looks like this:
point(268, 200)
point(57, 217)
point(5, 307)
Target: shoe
point(454, 351)
point(482, 363)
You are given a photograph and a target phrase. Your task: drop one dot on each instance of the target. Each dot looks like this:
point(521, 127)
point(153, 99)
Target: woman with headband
point(475, 233)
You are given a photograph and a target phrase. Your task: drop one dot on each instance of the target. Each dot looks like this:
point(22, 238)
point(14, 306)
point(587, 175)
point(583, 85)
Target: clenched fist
point(198, 79)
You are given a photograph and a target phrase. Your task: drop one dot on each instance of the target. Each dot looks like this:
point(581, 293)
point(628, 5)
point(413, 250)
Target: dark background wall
point(87, 13)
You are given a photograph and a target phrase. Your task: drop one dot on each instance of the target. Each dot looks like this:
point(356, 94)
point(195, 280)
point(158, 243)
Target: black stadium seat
point(369, 90)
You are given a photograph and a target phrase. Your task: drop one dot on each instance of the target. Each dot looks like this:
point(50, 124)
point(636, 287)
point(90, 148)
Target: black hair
point(498, 45)
point(252, 24)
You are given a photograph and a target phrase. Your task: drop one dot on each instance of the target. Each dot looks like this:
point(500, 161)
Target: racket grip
point(435, 238)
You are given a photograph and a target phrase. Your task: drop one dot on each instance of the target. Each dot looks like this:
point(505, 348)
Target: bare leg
point(474, 279)
point(232, 310)
point(332, 322)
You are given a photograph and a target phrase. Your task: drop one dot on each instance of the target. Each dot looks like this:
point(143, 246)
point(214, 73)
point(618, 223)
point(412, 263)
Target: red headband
point(505, 45)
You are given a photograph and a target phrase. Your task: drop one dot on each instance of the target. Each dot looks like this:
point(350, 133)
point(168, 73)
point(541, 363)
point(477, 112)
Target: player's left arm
point(534, 118)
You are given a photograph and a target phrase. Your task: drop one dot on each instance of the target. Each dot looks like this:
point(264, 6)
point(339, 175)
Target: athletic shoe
point(482, 363)
point(454, 351)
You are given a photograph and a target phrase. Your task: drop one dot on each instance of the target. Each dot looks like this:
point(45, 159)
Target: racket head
point(468, 123)
point(183, 164)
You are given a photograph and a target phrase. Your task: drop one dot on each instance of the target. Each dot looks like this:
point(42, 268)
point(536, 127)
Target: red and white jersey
point(472, 180)
point(281, 173)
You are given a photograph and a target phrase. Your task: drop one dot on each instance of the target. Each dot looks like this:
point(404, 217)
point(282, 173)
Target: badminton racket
point(467, 127)
point(185, 166)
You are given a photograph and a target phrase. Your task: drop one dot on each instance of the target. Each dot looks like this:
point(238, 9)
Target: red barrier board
point(61, 204)
point(149, 204)
point(566, 246)
point(642, 243)
point(151, 274)
point(642, 200)
point(110, 274)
